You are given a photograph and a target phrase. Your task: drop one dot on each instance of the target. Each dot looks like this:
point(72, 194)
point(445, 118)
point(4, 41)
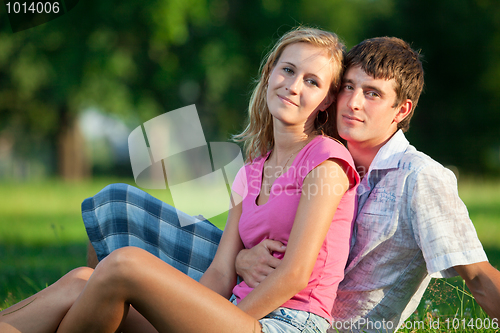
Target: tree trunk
point(73, 161)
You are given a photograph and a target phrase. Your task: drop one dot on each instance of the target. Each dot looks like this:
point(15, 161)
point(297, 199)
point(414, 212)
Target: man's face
point(366, 116)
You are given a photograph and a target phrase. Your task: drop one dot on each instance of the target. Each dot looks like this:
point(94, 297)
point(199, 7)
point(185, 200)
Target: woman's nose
point(294, 85)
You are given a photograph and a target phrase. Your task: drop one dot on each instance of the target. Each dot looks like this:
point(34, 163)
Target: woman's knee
point(77, 276)
point(121, 265)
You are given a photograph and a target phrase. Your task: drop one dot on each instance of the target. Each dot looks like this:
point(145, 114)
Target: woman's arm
point(322, 191)
point(221, 274)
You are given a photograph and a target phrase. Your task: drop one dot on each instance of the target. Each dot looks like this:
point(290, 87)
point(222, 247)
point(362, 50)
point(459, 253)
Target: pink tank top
point(274, 220)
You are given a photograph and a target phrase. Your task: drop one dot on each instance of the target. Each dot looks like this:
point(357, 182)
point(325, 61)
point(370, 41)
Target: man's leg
point(121, 215)
point(92, 260)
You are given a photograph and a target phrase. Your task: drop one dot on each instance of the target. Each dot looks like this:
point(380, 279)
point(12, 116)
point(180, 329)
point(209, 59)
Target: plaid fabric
point(122, 215)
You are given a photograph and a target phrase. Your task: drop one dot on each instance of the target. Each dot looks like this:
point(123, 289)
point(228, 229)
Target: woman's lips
point(287, 100)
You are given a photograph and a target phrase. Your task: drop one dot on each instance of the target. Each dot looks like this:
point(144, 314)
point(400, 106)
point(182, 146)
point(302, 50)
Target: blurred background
point(72, 89)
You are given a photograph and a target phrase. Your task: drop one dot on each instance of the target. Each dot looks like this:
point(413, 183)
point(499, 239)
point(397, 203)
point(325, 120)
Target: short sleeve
point(441, 223)
point(240, 183)
point(324, 150)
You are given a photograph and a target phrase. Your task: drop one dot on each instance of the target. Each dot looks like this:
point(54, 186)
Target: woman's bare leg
point(42, 312)
point(167, 298)
point(135, 323)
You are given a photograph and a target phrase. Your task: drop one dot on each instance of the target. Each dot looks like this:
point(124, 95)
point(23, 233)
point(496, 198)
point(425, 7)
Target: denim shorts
point(285, 320)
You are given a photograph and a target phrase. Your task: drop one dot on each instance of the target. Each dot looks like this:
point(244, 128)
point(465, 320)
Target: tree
point(105, 54)
point(139, 59)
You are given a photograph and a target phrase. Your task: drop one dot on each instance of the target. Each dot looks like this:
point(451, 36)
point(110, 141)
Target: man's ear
point(403, 110)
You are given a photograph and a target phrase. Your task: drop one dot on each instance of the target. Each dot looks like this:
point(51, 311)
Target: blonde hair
point(258, 135)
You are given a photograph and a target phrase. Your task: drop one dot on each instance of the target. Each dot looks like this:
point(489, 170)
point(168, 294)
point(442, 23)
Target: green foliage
point(482, 197)
point(42, 235)
point(139, 59)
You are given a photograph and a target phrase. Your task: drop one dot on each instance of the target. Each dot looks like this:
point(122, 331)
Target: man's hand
point(255, 264)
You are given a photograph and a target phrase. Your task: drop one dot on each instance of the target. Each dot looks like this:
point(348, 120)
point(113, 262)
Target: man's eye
point(347, 87)
point(372, 94)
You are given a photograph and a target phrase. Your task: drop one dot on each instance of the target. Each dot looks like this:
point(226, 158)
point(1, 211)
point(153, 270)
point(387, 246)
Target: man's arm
point(483, 281)
point(255, 264)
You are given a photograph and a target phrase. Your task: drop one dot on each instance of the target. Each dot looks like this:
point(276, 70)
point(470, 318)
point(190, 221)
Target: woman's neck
point(288, 143)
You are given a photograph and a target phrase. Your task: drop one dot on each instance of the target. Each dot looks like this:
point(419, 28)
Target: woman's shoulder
point(323, 144)
point(252, 167)
point(257, 161)
point(325, 147)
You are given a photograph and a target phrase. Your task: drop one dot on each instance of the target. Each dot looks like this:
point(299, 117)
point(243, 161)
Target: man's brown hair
point(391, 58)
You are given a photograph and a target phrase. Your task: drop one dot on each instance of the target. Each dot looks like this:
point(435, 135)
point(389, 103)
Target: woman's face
point(299, 85)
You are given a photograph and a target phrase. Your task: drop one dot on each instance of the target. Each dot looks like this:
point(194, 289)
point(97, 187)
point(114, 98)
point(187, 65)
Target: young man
point(411, 224)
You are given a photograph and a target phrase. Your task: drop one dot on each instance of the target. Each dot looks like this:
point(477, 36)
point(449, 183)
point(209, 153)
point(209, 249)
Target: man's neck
point(363, 157)
point(363, 154)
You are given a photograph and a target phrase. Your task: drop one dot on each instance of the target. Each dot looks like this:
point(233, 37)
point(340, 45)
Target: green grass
point(449, 300)
point(42, 237)
point(41, 234)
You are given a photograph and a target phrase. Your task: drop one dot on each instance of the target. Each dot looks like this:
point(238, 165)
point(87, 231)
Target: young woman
point(298, 187)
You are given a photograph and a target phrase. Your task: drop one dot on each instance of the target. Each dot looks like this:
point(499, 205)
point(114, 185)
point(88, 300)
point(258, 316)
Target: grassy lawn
point(42, 237)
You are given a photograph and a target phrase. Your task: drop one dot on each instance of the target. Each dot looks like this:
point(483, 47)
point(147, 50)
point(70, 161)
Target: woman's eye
point(314, 83)
point(288, 70)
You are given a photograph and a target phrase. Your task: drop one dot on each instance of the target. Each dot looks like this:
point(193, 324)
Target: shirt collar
point(390, 154)
point(387, 157)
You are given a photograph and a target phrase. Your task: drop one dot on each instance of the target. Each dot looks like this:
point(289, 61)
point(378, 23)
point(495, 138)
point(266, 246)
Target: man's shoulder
point(417, 161)
point(418, 166)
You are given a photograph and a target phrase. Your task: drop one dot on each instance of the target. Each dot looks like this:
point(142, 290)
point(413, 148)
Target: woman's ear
point(329, 99)
point(403, 110)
